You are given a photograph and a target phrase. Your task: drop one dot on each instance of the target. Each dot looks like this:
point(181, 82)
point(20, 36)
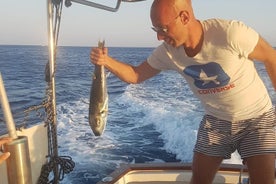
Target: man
point(216, 59)
point(4, 155)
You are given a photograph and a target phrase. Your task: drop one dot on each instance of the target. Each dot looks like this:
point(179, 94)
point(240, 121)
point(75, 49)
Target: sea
point(152, 122)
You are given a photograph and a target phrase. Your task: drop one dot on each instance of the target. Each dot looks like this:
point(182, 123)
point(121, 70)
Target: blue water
point(155, 121)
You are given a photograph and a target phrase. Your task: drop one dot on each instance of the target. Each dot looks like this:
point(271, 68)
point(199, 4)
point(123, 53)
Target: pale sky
point(23, 22)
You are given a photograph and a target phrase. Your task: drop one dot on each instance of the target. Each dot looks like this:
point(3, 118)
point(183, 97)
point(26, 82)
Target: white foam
point(177, 121)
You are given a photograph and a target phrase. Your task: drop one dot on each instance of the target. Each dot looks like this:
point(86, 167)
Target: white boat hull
point(38, 149)
point(172, 173)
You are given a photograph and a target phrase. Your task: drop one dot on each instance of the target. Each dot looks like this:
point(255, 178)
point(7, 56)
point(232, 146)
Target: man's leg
point(204, 168)
point(261, 169)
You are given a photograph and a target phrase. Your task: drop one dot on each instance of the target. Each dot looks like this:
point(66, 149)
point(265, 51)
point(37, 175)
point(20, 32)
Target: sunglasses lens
point(154, 29)
point(159, 30)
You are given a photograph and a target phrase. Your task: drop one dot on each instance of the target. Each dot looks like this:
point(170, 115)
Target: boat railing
point(98, 5)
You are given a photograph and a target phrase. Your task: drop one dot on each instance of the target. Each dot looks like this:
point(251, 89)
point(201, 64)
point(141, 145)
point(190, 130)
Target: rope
point(65, 165)
point(23, 116)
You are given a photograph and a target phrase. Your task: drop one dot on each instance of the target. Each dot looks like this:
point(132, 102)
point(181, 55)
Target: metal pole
point(100, 6)
point(19, 163)
point(6, 110)
point(52, 49)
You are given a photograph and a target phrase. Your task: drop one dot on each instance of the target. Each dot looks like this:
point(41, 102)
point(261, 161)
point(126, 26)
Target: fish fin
point(108, 74)
point(101, 44)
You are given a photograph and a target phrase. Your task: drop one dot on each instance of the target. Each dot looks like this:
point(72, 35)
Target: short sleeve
point(243, 39)
point(160, 58)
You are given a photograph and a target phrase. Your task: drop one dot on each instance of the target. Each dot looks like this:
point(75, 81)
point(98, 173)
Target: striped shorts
point(250, 137)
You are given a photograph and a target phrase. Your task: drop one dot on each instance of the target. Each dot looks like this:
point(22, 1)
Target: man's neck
point(193, 46)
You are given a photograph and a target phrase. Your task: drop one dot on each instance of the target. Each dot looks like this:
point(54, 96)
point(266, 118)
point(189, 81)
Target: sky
point(25, 22)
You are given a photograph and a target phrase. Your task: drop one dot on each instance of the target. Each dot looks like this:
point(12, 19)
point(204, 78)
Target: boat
point(172, 173)
point(34, 150)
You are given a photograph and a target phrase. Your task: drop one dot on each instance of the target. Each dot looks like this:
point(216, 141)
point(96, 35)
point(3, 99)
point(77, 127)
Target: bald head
point(163, 10)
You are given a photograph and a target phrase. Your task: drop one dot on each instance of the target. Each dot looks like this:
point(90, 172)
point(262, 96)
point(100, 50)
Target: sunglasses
point(164, 29)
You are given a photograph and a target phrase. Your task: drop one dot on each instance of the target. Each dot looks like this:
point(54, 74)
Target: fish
point(98, 106)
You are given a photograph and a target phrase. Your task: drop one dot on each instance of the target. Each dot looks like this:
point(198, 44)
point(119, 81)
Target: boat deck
point(165, 182)
point(160, 182)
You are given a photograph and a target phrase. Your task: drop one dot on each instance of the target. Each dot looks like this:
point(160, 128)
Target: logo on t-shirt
point(207, 76)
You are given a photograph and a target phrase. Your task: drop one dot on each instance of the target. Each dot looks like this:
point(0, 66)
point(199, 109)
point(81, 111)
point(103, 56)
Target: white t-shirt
point(221, 75)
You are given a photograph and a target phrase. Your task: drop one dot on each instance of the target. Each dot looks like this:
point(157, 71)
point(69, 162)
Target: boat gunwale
point(171, 166)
